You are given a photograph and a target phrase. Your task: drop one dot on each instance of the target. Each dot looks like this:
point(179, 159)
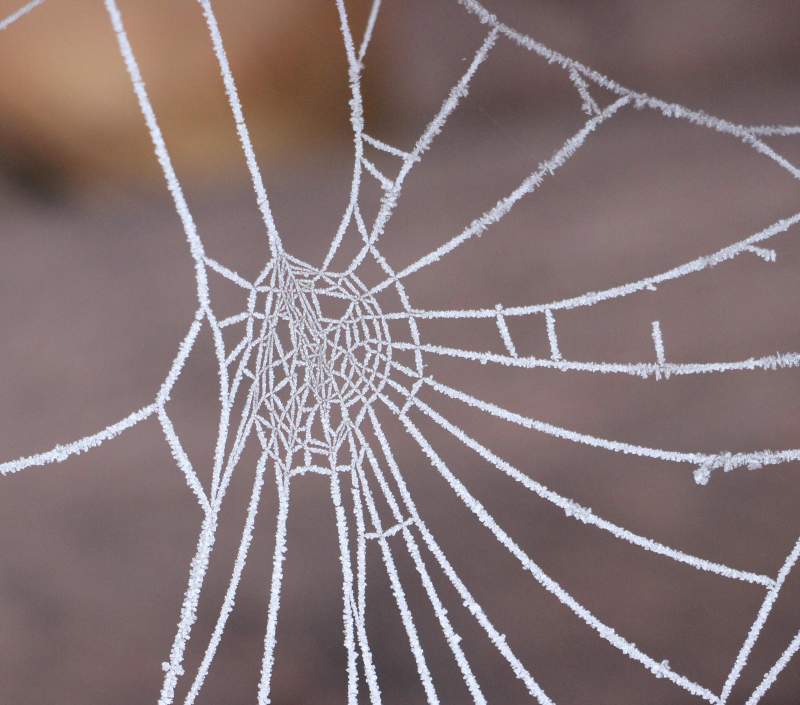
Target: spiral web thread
point(307, 383)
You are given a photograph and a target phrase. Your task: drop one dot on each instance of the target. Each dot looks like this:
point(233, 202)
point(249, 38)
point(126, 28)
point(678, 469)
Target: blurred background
point(96, 291)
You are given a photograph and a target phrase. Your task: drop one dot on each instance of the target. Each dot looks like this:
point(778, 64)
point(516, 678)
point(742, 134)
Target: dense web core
point(309, 359)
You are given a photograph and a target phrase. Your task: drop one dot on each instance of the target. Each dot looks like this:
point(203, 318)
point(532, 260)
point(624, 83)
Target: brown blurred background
point(96, 290)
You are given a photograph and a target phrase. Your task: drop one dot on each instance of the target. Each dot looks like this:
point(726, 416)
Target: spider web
point(306, 381)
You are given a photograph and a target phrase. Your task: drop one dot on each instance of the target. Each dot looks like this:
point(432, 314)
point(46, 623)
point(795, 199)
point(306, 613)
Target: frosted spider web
point(307, 385)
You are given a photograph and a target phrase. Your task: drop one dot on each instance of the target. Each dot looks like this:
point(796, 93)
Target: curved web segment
point(305, 381)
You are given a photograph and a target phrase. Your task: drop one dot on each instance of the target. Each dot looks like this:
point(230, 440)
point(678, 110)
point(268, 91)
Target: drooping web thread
point(306, 384)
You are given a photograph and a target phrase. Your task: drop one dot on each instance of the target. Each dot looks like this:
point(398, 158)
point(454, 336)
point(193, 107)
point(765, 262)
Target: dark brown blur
point(97, 289)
